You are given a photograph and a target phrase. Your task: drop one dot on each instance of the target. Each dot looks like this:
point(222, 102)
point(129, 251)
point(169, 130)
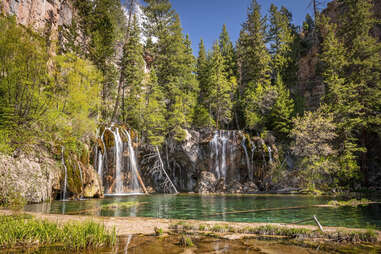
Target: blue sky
point(204, 18)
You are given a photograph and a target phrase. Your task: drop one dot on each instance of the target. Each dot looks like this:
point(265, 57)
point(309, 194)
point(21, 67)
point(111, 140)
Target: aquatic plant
point(123, 205)
point(186, 241)
point(352, 202)
point(24, 230)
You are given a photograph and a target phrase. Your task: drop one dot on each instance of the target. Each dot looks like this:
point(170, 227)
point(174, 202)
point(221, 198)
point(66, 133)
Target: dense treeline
point(157, 86)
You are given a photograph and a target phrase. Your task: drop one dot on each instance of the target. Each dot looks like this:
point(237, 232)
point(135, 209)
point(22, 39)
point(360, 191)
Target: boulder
point(206, 183)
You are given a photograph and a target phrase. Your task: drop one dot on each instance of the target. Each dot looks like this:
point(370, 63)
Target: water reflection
point(215, 207)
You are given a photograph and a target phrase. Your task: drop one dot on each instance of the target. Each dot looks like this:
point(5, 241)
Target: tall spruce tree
point(219, 89)
point(363, 71)
point(175, 65)
point(133, 72)
point(227, 51)
point(254, 63)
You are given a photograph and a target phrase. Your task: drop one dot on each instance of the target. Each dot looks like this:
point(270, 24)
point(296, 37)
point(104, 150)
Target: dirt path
point(145, 226)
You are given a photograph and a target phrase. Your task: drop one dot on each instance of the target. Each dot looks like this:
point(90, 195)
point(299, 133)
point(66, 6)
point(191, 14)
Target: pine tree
point(202, 117)
point(219, 89)
point(175, 65)
point(283, 110)
point(281, 37)
point(227, 51)
point(133, 73)
point(363, 71)
point(254, 63)
point(155, 124)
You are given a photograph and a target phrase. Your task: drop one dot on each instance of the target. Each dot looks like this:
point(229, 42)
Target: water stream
point(249, 168)
point(65, 179)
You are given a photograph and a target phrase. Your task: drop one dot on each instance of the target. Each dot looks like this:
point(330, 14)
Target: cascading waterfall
point(118, 161)
point(134, 168)
point(215, 149)
point(249, 168)
point(65, 180)
point(165, 172)
point(219, 146)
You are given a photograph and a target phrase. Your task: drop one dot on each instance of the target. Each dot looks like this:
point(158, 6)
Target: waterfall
point(134, 168)
point(101, 157)
point(81, 176)
point(249, 169)
point(270, 157)
point(162, 167)
point(118, 161)
point(65, 181)
point(215, 150)
point(219, 146)
point(223, 159)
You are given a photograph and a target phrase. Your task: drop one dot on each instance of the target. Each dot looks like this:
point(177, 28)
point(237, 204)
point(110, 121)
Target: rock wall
point(35, 177)
point(210, 161)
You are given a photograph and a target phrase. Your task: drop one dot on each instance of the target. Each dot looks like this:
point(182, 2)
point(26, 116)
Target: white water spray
point(134, 168)
point(270, 156)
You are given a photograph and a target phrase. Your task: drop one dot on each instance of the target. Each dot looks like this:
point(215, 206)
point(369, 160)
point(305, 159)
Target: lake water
point(222, 208)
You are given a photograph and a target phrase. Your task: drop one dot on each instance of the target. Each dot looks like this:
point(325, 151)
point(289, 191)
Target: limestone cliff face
point(36, 176)
point(44, 16)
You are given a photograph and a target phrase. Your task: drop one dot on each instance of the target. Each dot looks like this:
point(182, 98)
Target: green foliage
point(24, 80)
point(186, 241)
point(133, 73)
point(254, 60)
point(314, 134)
point(155, 125)
point(21, 230)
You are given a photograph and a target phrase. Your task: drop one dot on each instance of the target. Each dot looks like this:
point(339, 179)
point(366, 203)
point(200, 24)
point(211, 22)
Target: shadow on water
point(214, 207)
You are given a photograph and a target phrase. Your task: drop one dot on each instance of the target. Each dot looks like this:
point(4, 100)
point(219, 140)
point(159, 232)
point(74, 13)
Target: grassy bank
point(25, 230)
point(347, 236)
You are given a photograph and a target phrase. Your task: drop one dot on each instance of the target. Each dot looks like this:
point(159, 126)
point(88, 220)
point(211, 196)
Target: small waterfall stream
point(81, 176)
point(270, 155)
point(248, 164)
point(65, 179)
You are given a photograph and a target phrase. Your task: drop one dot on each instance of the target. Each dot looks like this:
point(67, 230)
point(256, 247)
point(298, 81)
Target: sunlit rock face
point(34, 177)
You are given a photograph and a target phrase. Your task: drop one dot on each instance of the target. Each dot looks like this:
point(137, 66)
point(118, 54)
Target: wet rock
point(206, 183)
point(92, 184)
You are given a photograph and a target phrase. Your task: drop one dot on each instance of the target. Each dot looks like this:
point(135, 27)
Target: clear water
point(210, 207)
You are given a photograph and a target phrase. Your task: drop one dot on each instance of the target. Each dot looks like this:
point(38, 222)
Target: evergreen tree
point(133, 72)
point(202, 117)
point(281, 37)
point(219, 89)
point(175, 65)
point(363, 71)
point(155, 124)
point(227, 51)
point(254, 63)
point(282, 111)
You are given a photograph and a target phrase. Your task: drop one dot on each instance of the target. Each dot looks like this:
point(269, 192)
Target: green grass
point(158, 231)
point(352, 202)
point(186, 241)
point(24, 230)
point(121, 205)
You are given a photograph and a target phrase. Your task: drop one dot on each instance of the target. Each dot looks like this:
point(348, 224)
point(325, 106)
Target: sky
point(205, 18)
